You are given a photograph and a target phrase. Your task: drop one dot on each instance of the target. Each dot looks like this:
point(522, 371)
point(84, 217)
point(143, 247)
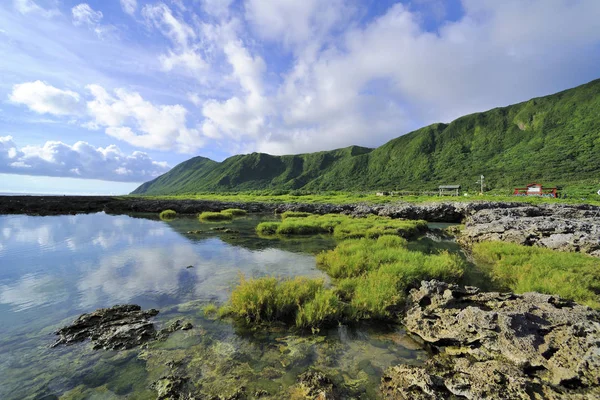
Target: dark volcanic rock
point(499, 345)
point(115, 328)
point(565, 228)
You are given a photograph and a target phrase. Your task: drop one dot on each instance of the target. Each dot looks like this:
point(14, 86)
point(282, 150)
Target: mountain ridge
point(554, 139)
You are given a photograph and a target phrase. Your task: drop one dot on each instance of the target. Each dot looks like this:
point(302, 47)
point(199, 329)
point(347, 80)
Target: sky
point(98, 97)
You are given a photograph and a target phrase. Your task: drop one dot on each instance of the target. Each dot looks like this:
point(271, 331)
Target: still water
point(54, 268)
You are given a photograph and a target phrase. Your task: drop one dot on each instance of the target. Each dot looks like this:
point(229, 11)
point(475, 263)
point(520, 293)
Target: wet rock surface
point(116, 328)
point(565, 228)
point(498, 345)
point(316, 385)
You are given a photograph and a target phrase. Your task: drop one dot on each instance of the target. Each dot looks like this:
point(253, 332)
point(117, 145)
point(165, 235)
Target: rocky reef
point(565, 228)
point(116, 328)
point(498, 345)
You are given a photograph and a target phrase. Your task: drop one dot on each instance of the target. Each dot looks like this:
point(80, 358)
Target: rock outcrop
point(116, 328)
point(498, 345)
point(558, 227)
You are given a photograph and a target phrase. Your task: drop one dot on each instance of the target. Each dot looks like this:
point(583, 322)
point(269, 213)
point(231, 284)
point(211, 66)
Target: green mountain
point(552, 140)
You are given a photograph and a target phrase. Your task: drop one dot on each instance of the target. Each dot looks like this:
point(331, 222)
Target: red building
point(535, 189)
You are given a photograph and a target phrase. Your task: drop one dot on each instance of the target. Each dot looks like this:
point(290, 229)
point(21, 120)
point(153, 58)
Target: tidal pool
point(54, 268)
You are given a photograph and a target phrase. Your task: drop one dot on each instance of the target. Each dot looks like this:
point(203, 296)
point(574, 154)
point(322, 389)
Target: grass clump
point(371, 279)
point(269, 299)
point(373, 276)
point(267, 228)
point(235, 212)
point(294, 214)
point(167, 214)
point(341, 226)
point(215, 216)
point(573, 276)
point(210, 310)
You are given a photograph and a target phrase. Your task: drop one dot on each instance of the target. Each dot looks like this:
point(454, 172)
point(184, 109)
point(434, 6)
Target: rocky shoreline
point(433, 212)
point(557, 227)
point(498, 346)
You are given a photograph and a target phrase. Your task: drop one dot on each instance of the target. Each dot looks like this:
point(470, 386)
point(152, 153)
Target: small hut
point(449, 190)
point(535, 189)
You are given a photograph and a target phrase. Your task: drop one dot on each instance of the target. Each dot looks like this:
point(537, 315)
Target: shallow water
point(54, 268)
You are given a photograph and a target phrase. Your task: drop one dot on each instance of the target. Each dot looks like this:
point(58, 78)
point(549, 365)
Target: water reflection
point(81, 262)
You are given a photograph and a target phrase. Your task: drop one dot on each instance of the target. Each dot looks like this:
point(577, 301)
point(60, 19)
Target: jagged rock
point(115, 328)
point(172, 387)
point(499, 345)
point(565, 228)
point(317, 385)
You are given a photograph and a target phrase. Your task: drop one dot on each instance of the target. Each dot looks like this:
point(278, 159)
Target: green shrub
point(267, 228)
point(215, 216)
point(167, 214)
point(573, 276)
point(235, 212)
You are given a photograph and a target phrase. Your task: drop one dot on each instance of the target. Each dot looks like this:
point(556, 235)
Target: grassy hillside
point(553, 139)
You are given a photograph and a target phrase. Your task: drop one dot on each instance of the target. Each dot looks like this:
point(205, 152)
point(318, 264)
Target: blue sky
point(122, 90)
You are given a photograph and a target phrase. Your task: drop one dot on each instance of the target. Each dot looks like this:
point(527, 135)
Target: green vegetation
point(235, 212)
point(553, 140)
point(294, 214)
point(522, 269)
point(210, 309)
point(167, 214)
point(215, 216)
point(341, 226)
point(371, 279)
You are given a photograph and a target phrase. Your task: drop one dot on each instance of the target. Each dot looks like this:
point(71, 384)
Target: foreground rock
point(565, 228)
point(500, 346)
point(116, 328)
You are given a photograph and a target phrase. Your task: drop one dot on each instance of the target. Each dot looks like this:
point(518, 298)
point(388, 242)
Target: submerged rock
point(498, 345)
point(116, 328)
point(172, 387)
point(316, 385)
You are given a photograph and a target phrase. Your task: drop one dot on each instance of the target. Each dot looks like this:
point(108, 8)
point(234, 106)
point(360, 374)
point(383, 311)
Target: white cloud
point(45, 99)
point(80, 160)
point(294, 21)
point(129, 6)
point(185, 53)
point(31, 7)
point(83, 14)
point(217, 8)
point(161, 127)
point(188, 60)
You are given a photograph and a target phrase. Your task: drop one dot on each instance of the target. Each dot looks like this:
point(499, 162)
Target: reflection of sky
point(78, 263)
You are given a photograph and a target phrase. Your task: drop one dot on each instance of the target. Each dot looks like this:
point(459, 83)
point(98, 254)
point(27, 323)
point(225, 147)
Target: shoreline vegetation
point(587, 195)
point(372, 271)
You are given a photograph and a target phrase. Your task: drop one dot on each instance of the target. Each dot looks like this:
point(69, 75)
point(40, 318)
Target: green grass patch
point(210, 310)
point(215, 216)
point(371, 279)
point(573, 276)
point(294, 214)
point(235, 212)
point(167, 214)
point(342, 226)
point(269, 299)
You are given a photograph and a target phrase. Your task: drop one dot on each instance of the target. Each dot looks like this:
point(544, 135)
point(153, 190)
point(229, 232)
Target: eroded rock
point(115, 328)
point(316, 385)
point(565, 228)
point(499, 345)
